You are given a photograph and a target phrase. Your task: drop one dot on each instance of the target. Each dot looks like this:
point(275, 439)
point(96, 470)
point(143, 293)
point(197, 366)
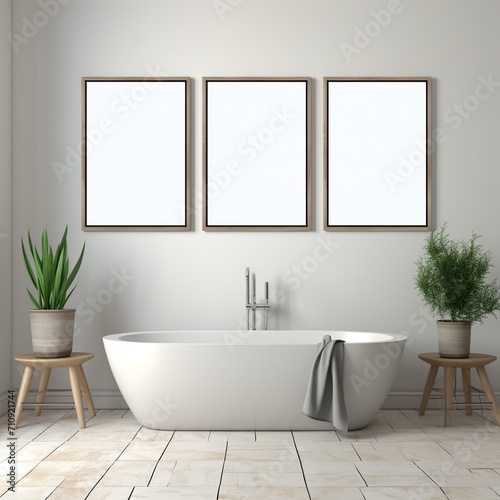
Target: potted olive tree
point(451, 278)
point(52, 326)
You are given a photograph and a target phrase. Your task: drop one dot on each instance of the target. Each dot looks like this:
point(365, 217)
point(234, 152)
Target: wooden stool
point(77, 380)
point(477, 361)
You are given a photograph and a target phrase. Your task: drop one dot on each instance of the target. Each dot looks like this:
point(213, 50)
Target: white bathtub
point(240, 380)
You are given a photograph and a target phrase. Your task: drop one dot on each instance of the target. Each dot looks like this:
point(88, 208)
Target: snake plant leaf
point(37, 304)
point(49, 271)
point(75, 270)
point(38, 266)
point(28, 265)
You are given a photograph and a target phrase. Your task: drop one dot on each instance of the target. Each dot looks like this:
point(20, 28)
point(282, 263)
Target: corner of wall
point(6, 63)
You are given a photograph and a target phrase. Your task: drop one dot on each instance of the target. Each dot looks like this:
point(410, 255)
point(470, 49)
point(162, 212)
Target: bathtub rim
point(384, 337)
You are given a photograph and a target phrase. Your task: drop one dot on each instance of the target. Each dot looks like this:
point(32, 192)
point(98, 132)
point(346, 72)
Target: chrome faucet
point(251, 301)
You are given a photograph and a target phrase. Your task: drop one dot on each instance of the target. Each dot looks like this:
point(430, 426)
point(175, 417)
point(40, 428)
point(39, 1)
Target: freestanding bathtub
point(245, 380)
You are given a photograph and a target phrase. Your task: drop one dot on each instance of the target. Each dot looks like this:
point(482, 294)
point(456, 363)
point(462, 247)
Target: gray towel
point(325, 392)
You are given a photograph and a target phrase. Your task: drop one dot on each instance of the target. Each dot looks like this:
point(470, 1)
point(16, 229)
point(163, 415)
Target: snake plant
point(50, 272)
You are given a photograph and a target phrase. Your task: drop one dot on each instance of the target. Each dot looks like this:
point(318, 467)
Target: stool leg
point(449, 382)
point(86, 390)
point(429, 384)
point(467, 388)
point(77, 395)
point(23, 392)
point(42, 387)
point(483, 376)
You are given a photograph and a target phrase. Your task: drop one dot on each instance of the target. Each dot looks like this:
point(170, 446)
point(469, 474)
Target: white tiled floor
point(399, 455)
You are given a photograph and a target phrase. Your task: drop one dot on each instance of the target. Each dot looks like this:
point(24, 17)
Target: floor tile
point(111, 413)
point(398, 493)
point(22, 468)
point(30, 492)
point(153, 435)
point(129, 473)
point(162, 473)
point(262, 466)
point(305, 436)
point(465, 493)
point(413, 450)
point(197, 473)
point(37, 450)
point(399, 455)
point(198, 450)
point(332, 493)
point(366, 451)
point(389, 473)
point(255, 454)
point(274, 437)
point(110, 493)
point(67, 493)
point(190, 436)
point(181, 493)
point(219, 436)
point(331, 474)
point(141, 450)
point(49, 473)
point(264, 479)
point(241, 436)
point(262, 493)
point(92, 450)
point(331, 451)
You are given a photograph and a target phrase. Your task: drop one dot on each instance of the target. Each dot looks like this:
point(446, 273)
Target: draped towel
point(325, 393)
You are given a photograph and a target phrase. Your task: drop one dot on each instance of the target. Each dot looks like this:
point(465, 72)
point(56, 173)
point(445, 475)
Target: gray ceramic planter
point(52, 332)
point(453, 339)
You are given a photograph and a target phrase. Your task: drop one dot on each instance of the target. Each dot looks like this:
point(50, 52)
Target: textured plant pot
point(453, 339)
point(52, 332)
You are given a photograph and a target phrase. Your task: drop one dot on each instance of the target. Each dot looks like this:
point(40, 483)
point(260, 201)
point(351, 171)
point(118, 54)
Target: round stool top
point(474, 360)
point(74, 359)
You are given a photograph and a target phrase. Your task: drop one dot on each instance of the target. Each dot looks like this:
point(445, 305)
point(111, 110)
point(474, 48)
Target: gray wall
point(5, 202)
point(196, 280)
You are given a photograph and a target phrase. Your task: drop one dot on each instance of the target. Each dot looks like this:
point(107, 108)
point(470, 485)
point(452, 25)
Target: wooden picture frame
point(377, 154)
point(136, 154)
point(256, 154)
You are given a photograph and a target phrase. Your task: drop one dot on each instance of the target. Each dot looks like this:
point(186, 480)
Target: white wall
point(196, 280)
point(5, 202)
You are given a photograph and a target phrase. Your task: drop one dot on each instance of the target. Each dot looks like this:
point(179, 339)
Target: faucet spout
point(251, 300)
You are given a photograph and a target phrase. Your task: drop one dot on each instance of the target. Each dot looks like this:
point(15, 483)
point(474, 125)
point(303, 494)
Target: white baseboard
point(411, 400)
point(408, 401)
point(102, 399)
point(108, 400)
point(3, 403)
point(113, 400)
